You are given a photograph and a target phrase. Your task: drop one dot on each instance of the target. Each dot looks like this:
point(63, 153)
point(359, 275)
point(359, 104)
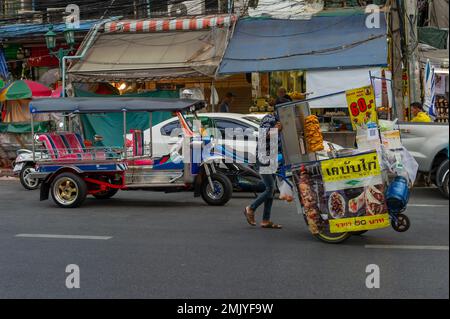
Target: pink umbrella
point(56, 93)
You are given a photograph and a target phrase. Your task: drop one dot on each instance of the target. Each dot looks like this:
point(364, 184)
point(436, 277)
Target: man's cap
point(230, 94)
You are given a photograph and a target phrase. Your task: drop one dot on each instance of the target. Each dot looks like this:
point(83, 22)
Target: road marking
point(426, 205)
point(63, 236)
point(416, 247)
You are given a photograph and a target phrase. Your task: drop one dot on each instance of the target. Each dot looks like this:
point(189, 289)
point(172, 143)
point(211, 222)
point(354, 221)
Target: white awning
point(150, 56)
point(325, 82)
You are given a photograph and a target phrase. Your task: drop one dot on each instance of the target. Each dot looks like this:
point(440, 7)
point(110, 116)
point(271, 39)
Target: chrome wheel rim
point(31, 182)
point(215, 193)
point(66, 191)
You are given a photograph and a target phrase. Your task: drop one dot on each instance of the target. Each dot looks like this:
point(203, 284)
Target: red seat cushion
point(141, 162)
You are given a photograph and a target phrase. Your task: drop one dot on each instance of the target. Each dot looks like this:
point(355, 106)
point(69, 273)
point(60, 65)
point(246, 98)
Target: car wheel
point(221, 193)
point(25, 180)
point(445, 187)
point(68, 190)
point(442, 178)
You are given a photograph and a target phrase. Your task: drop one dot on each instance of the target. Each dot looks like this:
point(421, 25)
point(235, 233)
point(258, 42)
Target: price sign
point(361, 106)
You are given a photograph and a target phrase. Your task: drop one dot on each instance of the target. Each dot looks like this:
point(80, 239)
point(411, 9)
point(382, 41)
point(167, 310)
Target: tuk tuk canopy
point(113, 104)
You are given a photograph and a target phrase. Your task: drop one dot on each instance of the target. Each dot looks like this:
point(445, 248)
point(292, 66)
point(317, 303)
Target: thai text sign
point(359, 223)
point(351, 172)
point(361, 106)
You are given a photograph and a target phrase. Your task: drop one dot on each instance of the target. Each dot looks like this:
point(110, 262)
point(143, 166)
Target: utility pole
point(397, 61)
point(412, 42)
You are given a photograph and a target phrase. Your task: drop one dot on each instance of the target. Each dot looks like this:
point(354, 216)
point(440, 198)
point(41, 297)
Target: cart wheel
point(333, 238)
point(401, 223)
point(106, 194)
point(68, 190)
point(358, 233)
point(26, 181)
point(221, 193)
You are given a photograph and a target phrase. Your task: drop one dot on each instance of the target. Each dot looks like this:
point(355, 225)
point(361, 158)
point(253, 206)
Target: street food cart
point(351, 192)
point(70, 170)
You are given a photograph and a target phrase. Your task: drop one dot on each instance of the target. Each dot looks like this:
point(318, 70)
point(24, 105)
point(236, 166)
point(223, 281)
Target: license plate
point(18, 167)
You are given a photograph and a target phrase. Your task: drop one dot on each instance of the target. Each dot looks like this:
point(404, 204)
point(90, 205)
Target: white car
point(162, 140)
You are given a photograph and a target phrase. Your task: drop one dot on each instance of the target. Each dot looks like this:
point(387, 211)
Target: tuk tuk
point(70, 170)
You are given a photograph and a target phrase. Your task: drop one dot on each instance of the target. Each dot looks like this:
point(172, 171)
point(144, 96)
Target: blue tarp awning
point(25, 29)
point(263, 45)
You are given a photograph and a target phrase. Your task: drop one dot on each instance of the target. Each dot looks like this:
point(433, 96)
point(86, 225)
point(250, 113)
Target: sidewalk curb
point(6, 173)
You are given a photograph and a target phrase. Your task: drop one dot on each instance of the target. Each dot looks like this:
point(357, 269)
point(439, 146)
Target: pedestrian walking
point(268, 122)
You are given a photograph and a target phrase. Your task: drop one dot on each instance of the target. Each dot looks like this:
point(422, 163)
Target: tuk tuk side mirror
point(98, 138)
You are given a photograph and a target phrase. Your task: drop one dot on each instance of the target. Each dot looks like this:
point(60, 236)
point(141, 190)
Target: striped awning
point(167, 24)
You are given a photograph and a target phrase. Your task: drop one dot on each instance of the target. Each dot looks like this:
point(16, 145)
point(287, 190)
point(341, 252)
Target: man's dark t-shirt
point(224, 107)
point(284, 99)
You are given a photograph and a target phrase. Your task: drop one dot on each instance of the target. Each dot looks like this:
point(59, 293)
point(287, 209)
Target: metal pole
point(69, 121)
point(213, 97)
point(125, 132)
point(412, 49)
point(149, 12)
point(32, 137)
point(150, 120)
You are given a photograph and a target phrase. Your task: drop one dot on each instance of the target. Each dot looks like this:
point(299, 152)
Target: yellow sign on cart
point(361, 106)
point(351, 172)
point(359, 223)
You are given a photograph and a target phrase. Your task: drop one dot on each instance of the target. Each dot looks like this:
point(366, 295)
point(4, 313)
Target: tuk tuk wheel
point(106, 194)
point(400, 223)
point(26, 181)
point(221, 193)
point(68, 190)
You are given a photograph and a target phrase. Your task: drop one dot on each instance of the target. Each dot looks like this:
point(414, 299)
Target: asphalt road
point(175, 246)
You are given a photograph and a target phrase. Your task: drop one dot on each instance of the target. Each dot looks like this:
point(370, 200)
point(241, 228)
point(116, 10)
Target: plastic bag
point(286, 192)
point(400, 163)
point(386, 125)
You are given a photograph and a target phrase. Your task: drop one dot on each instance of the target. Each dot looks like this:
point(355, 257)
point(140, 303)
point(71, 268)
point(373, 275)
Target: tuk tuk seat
point(68, 146)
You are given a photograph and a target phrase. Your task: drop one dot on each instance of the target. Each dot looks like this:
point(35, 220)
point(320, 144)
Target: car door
point(423, 141)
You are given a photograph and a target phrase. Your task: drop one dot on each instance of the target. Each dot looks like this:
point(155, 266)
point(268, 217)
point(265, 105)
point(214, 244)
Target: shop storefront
point(312, 58)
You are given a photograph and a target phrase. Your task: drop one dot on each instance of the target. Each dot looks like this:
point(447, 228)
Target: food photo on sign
point(355, 189)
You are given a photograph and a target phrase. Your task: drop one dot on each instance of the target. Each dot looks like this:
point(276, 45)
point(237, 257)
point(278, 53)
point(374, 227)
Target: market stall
point(15, 129)
point(352, 191)
point(309, 58)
